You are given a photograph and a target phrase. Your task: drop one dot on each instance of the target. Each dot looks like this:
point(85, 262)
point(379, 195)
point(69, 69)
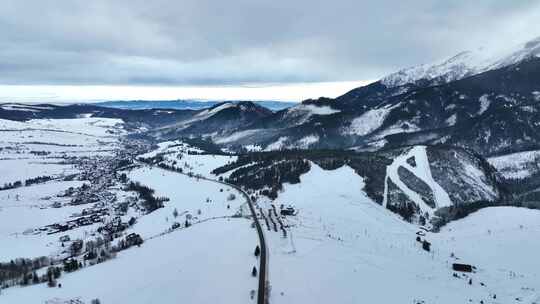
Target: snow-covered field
point(206, 263)
point(180, 155)
point(344, 248)
point(45, 147)
point(199, 198)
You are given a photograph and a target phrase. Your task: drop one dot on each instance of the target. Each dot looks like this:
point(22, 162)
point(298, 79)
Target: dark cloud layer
point(244, 41)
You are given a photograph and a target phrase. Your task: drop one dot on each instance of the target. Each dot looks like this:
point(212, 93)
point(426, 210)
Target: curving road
point(261, 293)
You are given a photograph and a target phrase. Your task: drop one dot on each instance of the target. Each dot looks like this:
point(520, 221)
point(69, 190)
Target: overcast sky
point(239, 43)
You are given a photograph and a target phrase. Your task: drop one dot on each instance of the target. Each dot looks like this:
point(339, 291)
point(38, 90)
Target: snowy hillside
point(339, 228)
point(517, 165)
point(415, 182)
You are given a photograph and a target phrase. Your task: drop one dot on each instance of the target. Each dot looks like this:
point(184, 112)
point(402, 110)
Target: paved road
point(261, 293)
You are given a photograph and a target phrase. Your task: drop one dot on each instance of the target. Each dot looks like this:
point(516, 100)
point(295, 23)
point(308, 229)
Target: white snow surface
point(368, 122)
point(451, 120)
point(187, 195)
point(484, 103)
point(88, 126)
point(277, 145)
point(516, 165)
point(210, 112)
point(179, 155)
point(342, 247)
point(307, 141)
point(206, 263)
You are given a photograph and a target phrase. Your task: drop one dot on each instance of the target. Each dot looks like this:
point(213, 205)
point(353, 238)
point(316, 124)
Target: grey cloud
point(244, 41)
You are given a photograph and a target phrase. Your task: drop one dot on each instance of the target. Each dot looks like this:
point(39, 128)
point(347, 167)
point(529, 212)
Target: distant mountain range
point(479, 108)
point(185, 104)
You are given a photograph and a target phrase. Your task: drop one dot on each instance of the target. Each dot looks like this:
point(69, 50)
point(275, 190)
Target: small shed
point(462, 267)
point(287, 211)
point(426, 245)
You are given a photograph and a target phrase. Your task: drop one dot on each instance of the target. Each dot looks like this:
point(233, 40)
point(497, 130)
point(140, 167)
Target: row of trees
point(13, 271)
point(28, 182)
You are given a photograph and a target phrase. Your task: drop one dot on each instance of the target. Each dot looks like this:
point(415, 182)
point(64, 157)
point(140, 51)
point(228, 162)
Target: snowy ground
point(56, 139)
point(180, 155)
point(501, 241)
point(188, 195)
point(344, 248)
point(517, 165)
point(45, 147)
point(206, 263)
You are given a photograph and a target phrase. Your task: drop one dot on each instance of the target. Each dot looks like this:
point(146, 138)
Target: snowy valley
point(101, 214)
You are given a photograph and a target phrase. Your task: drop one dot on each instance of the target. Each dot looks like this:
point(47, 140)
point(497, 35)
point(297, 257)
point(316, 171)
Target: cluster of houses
point(115, 226)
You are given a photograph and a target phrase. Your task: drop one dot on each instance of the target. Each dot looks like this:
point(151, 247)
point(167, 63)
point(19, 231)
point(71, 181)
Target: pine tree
point(35, 278)
point(257, 251)
point(51, 282)
point(57, 272)
point(254, 271)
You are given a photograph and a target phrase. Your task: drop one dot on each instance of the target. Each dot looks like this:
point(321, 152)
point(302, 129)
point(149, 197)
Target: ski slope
point(420, 170)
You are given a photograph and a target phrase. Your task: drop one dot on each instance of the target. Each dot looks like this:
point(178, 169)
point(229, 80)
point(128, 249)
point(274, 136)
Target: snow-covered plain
point(45, 147)
point(188, 195)
point(206, 263)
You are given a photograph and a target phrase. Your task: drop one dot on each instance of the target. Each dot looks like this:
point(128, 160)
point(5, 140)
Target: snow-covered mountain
point(216, 121)
point(463, 65)
point(498, 94)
